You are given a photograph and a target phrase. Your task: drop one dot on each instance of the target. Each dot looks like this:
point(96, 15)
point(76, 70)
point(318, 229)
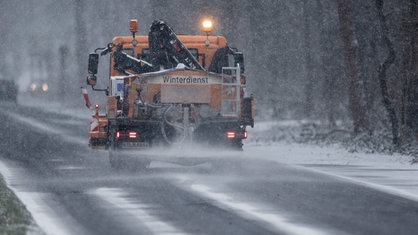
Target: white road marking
point(44, 217)
point(142, 212)
point(49, 221)
point(248, 210)
point(70, 168)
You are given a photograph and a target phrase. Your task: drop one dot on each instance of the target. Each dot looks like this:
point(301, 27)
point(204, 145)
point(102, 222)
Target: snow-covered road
point(274, 188)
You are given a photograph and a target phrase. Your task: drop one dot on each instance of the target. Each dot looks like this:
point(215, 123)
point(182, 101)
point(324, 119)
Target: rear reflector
point(245, 134)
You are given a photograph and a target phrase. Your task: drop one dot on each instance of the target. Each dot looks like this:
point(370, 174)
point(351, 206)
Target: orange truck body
point(196, 100)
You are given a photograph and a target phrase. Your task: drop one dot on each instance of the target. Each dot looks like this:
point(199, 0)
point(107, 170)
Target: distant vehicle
point(38, 88)
point(8, 90)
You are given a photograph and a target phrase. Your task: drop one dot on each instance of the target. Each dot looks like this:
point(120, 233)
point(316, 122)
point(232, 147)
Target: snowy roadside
point(15, 217)
point(391, 173)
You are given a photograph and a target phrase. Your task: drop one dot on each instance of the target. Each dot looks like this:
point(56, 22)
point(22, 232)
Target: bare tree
point(81, 45)
point(328, 90)
point(387, 101)
point(411, 57)
point(345, 13)
point(63, 54)
point(308, 61)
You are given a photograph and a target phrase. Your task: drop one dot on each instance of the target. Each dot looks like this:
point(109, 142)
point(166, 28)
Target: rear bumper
point(216, 131)
point(98, 143)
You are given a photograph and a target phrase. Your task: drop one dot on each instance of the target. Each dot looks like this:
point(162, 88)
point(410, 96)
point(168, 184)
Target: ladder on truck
point(231, 89)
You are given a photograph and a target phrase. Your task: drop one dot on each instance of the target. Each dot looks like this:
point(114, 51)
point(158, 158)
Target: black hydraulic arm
point(167, 50)
point(124, 62)
point(220, 59)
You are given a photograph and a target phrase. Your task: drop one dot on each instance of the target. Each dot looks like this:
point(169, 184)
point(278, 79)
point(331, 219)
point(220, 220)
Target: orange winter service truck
point(168, 89)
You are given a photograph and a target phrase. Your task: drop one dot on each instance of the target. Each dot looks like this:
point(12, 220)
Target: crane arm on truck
point(166, 51)
point(221, 59)
point(124, 62)
point(166, 48)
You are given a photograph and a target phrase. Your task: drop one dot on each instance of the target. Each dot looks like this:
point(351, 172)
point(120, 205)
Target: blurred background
point(318, 60)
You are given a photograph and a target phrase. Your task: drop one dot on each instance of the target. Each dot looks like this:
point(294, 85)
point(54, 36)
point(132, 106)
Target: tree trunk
point(412, 54)
point(345, 14)
point(308, 107)
point(63, 54)
point(328, 82)
point(390, 108)
point(81, 44)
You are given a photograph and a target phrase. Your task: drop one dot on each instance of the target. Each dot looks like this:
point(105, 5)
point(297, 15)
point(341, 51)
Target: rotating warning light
point(207, 26)
point(133, 26)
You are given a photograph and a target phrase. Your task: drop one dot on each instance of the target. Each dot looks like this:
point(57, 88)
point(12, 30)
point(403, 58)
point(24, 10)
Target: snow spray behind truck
point(168, 89)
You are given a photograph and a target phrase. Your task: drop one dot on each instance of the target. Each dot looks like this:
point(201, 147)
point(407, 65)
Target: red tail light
point(239, 135)
point(132, 135)
point(230, 135)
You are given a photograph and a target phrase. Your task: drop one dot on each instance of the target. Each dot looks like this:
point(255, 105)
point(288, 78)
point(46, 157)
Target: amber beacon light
point(207, 26)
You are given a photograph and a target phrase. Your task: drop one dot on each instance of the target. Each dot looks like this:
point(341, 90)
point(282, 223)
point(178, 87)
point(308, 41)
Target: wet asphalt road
point(182, 192)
